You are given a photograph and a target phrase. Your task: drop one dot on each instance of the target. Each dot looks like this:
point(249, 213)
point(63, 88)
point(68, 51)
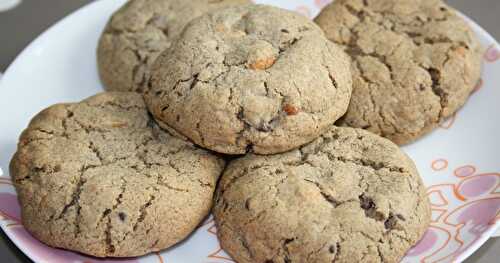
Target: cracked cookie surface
point(253, 78)
point(414, 63)
point(349, 196)
point(100, 177)
point(139, 31)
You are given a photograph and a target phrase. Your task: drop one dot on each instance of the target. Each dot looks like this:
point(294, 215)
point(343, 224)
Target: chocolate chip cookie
point(250, 78)
point(414, 63)
point(139, 31)
point(101, 178)
point(349, 196)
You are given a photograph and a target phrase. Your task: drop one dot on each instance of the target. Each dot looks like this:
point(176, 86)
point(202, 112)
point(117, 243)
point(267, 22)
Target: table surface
point(32, 17)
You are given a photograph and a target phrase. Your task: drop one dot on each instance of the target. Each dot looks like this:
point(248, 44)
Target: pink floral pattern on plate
point(461, 212)
point(492, 54)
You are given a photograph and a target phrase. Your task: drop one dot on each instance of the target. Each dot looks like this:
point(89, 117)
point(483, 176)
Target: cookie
point(101, 178)
point(250, 78)
point(137, 33)
point(414, 63)
point(349, 196)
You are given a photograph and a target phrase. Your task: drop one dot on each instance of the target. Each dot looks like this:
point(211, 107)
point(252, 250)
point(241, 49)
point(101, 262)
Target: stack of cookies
point(274, 123)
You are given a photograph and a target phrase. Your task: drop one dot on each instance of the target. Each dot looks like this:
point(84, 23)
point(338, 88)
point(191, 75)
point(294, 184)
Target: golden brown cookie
point(414, 63)
point(349, 196)
point(250, 78)
point(101, 178)
point(139, 31)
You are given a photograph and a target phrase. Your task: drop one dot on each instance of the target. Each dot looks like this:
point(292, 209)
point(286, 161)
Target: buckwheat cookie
point(137, 33)
point(414, 63)
point(247, 78)
point(349, 196)
point(101, 178)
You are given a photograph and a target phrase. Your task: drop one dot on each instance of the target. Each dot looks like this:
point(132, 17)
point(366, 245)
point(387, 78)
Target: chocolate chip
point(122, 216)
point(332, 249)
point(370, 208)
point(151, 122)
point(366, 202)
point(391, 222)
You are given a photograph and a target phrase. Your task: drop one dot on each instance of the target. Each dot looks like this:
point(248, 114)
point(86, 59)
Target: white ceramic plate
point(459, 161)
